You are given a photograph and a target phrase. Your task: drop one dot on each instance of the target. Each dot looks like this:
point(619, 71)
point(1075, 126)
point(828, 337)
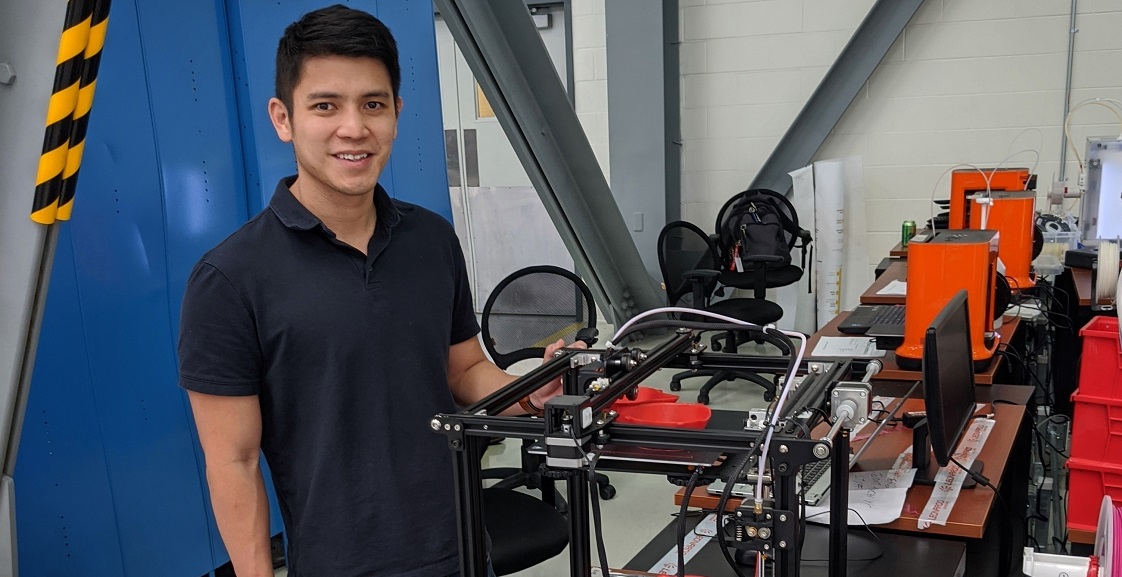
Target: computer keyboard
point(814, 471)
point(888, 315)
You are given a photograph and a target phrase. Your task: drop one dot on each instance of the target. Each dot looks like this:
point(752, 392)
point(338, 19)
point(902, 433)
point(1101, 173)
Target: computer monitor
point(948, 377)
point(948, 383)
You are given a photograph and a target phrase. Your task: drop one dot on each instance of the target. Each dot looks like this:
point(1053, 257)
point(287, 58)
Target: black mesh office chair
point(761, 228)
point(527, 311)
point(532, 308)
point(689, 263)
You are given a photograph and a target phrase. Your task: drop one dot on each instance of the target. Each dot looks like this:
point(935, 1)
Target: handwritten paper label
point(695, 540)
point(949, 479)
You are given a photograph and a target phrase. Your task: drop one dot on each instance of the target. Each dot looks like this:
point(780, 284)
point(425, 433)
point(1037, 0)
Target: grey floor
point(643, 504)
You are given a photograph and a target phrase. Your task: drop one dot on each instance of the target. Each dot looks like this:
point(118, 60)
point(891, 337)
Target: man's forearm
point(237, 492)
point(481, 380)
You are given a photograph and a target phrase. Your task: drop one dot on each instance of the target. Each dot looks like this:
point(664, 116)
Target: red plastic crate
point(1088, 482)
point(1096, 430)
point(1100, 370)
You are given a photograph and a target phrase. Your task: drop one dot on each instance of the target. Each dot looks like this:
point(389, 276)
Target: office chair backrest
point(683, 247)
point(758, 222)
point(532, 308)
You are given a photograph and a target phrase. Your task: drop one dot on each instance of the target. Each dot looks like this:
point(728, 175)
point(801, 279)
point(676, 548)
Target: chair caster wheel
point(675, 386)
point(703, 399)
point(607, 492)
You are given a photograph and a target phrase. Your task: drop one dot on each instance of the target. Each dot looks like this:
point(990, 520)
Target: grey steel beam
point(644, 118)
point(852, 69)
point(504, 51)
point(29, 37)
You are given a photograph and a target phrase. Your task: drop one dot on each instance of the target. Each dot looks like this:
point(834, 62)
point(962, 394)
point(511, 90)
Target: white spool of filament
point(1106, 284)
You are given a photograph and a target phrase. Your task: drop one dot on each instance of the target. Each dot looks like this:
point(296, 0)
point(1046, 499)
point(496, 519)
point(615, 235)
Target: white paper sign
point(875, 497)
point(894, 288)
point(949, 479)
point(696, 539)
point(847, 347)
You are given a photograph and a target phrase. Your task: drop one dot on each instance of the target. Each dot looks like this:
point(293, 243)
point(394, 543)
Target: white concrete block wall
point(590, 69)
point(967, 82)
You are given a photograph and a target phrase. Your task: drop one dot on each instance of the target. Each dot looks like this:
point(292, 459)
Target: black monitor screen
point(948, 377)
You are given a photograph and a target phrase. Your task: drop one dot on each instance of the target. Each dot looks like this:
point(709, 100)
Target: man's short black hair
point(333, 31)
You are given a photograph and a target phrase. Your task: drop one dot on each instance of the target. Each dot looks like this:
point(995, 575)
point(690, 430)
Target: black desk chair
point(527, 311)
point(690, 271)
point(761, 228)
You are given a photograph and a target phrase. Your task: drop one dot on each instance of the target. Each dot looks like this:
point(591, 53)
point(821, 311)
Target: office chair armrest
point(698, 278)
point(700, 273)
point(764, 258)
point(715, 241)
point(588, 335)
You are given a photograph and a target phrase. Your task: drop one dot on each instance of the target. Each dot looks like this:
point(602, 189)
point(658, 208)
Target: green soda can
point(907, 232)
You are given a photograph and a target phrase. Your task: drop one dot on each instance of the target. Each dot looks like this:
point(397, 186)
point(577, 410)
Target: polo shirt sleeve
point(464, 323)
point(219, 352)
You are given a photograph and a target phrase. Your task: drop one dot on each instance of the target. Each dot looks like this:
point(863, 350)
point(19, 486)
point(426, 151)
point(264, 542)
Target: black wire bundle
point(757, 447)
point(1006, 528)
point(601, 550)
point(681, 525)
point(782, 342)
point(769, 335)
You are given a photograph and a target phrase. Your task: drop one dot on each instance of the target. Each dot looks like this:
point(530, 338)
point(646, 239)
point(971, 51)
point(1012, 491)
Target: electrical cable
point(865, 524)
point(781, 399)
point(598, 527)
point(765, 433)
point(723, 502)
point(1006, 552)
point(779, 341)
point(682, 520)
point(782, 396)
point(601, 550)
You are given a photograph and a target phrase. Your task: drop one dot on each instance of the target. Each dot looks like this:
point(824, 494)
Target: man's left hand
point(547, 392)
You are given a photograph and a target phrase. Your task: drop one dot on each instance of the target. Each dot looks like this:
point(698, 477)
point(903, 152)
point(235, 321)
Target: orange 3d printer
point(1013, 216)
point(965, 182)
point(952, 260)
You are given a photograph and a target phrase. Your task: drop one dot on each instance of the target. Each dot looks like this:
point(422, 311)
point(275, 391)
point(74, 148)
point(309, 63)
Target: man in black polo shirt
point(328, 331)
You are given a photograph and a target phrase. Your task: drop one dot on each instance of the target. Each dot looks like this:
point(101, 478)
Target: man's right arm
point(230, 434)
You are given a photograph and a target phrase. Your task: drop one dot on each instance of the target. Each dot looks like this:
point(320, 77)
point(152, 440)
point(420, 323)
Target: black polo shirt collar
point(296, 216)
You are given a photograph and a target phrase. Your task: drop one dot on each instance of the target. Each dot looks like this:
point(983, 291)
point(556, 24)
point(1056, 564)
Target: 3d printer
point(966, 182)
point(1013, 216)
point(579, 430)
point(952, 260)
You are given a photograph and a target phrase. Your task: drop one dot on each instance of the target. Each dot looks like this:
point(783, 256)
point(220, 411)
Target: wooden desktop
point(1082, 279)
point(895, 271)
point(969, 516)
point(892, 372)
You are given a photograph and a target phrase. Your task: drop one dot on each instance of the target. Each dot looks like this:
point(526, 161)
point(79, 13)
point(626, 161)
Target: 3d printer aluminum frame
point(468, 432)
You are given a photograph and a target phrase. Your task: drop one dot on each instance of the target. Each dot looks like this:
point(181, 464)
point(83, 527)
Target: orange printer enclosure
point(1012, 215)
point(937, 269)
point(965, 182)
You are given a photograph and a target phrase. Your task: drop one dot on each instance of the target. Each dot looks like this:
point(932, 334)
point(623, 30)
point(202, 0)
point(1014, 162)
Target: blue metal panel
point(416, 172)
point(64, 504)
point(124, 309)
point(180, 152)
point(124, 241)
point(417, 168)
